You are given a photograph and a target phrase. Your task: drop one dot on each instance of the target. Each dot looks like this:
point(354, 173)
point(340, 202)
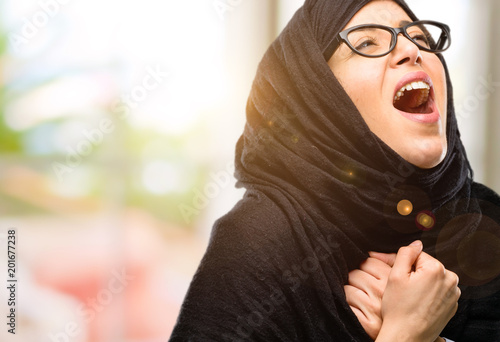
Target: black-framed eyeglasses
point(372, 40)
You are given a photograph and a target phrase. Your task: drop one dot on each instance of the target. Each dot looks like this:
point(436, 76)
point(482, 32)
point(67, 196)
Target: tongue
point(413, 101)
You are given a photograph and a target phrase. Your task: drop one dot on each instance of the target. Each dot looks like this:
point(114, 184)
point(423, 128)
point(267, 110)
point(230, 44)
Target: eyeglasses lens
point(378, 41)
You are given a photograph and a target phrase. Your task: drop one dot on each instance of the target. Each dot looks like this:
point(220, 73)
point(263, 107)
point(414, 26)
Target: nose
point(405, 52)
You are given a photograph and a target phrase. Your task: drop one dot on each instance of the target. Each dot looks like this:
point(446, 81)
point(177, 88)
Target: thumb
point(406, 257)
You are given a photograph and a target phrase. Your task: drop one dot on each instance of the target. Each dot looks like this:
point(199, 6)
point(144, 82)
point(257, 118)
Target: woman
point(349, 149)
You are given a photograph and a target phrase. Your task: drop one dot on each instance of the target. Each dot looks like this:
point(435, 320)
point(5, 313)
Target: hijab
point(322, 191)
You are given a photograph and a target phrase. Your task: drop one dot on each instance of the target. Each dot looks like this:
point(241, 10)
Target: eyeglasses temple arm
point(441, 41)
point(332, 47)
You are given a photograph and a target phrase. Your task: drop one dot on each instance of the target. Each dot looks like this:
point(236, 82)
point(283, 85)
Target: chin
point(427, 158)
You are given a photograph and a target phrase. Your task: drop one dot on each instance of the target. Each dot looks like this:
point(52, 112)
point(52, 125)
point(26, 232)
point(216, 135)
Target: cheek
point(361, 84)
point(438, 75)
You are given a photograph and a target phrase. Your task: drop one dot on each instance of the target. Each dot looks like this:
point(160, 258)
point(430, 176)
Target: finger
point(361, 317)
point(384, 257)
point(376, 268)
point(357, 298)
point(359, 314)
point(364, 281)
point(452, 278)
point(453, 284)
point(429, 263)
point(406, 257)
point(368, 305)
point(371, 328)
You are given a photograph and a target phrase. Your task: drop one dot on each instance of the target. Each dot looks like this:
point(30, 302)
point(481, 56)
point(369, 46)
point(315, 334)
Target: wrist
point(388, 336)
point(391, 333)
point(396, 332)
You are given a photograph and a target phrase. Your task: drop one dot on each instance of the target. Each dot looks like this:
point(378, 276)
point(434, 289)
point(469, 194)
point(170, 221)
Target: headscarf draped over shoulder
point(322, 191)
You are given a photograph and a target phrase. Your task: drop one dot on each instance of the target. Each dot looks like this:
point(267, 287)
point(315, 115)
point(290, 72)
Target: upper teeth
point(411, 86)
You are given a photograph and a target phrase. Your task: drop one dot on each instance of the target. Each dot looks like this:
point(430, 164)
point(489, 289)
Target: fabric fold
point(322, 191)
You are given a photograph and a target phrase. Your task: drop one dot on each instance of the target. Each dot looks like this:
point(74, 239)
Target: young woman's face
point(373, 85)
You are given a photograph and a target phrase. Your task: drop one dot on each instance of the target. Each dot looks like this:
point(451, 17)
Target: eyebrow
point(404, 22)
point(367, 29)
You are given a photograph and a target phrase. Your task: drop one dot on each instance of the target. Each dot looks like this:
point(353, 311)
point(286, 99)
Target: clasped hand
point(408, 296)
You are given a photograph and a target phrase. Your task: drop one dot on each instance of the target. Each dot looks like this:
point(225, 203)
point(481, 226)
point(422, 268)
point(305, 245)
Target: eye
point(421, 40)
point(421, 36)
point(370, 40)
point(365, 43)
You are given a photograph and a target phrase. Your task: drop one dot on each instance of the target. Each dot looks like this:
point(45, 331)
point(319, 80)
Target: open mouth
point(414, 98)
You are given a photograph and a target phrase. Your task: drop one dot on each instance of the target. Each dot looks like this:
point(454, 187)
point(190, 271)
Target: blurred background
point(118, 121)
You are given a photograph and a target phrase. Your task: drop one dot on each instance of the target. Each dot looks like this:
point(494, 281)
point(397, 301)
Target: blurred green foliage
point(113, 171)
point(10, 141)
